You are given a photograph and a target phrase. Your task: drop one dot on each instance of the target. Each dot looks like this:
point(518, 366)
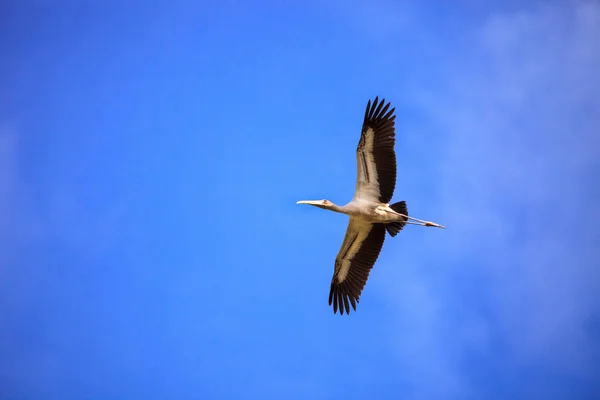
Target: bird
point(371, 214)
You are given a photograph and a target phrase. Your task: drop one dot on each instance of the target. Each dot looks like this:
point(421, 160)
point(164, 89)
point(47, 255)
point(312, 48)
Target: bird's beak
point(311, 202)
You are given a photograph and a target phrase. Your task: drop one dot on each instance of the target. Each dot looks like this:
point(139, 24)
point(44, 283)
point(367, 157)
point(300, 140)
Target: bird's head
point(318, 203)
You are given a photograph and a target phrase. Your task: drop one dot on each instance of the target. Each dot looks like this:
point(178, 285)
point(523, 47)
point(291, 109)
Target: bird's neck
point(336, 208)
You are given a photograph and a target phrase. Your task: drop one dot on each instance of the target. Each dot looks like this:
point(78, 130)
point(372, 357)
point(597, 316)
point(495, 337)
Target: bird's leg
point(426, 223)
point(416, 221)
point(429, 223)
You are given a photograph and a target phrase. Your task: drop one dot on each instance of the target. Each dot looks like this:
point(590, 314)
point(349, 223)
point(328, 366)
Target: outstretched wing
point(375, 155)
point(360, 249)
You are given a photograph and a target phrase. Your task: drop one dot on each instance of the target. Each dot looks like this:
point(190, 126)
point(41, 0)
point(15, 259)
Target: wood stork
point(370, 212)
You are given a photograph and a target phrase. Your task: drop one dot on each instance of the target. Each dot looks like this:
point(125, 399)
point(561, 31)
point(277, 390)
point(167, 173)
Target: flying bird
point(370, 213)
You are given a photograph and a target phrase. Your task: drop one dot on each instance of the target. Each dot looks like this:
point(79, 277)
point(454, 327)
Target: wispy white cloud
point(518, 125)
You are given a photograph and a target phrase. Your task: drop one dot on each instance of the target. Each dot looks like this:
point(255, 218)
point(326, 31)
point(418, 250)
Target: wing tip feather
point(378, 110)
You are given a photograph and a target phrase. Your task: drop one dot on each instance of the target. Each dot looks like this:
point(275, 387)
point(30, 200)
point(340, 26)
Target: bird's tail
point(394, 227)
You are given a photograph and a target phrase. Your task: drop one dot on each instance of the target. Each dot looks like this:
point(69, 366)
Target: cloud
point(517, 119)
point(529, 130)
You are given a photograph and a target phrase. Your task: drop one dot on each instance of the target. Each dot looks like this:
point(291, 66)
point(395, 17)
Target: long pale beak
point(311, 202)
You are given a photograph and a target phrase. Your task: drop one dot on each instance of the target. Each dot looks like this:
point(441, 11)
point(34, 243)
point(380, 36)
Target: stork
point(370, 213)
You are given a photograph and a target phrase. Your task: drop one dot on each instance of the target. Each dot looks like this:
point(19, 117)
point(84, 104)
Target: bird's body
point(370, 213)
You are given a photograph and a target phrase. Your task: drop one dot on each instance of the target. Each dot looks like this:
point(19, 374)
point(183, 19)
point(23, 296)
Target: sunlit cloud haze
point(150, 161)
point(517, 156)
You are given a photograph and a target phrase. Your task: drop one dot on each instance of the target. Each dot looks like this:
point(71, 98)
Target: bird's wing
point(375, 155)
point(359, 251)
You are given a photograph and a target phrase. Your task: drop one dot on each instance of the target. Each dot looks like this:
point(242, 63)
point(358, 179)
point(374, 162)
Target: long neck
point(336, 208)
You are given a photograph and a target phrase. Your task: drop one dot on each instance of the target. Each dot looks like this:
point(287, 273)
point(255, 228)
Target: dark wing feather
point(382, 123)
point(360, 250)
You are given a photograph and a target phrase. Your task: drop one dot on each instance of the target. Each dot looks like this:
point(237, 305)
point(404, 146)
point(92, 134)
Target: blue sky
point(150, 161)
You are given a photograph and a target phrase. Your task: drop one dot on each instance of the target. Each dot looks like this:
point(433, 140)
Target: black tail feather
point(394, 227)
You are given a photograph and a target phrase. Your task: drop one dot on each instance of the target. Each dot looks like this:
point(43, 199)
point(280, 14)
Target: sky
point(151, 157)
